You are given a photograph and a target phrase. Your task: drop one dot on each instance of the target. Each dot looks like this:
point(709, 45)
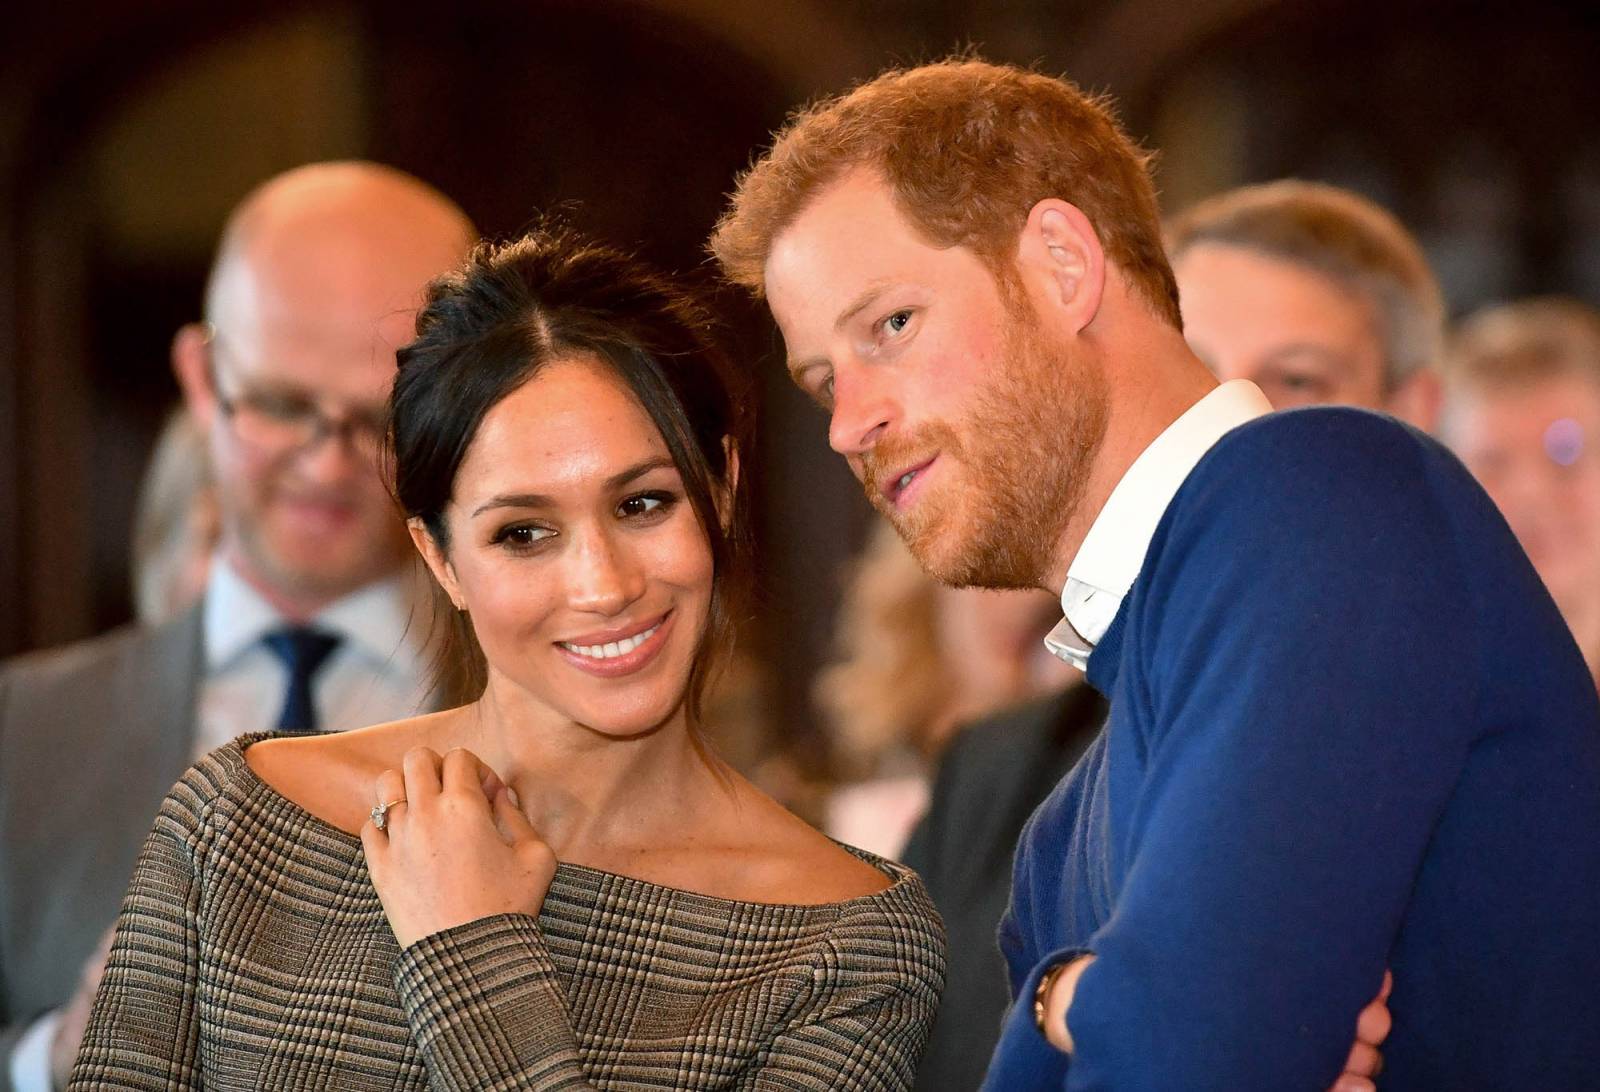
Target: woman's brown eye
point(522, 536)
point(645, 503)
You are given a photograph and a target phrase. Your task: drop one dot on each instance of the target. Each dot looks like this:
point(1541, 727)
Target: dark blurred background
point(127, 132)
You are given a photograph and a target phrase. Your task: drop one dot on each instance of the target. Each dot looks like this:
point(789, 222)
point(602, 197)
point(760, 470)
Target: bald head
point(316, 283)
point(328, 240)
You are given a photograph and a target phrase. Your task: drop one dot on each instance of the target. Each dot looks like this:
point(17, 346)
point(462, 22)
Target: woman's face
point(577, 554)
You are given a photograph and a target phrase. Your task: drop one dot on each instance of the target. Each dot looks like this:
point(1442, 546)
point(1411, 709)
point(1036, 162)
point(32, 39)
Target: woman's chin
point(625, 724)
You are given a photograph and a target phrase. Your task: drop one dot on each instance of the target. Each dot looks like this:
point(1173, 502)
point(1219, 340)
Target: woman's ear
point(437, 561)
point(729, 487)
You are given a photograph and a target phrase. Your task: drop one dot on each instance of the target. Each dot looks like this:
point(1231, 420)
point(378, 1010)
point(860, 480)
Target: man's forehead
point(848, 233)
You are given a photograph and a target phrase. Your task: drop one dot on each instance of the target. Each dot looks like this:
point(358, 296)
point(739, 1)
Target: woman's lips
point(622, 655)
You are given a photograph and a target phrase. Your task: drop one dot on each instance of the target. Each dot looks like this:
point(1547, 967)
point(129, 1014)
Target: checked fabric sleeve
point(252, 952)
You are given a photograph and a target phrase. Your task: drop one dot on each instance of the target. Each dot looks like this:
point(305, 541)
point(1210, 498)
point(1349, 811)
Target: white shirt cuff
point(30, 1058)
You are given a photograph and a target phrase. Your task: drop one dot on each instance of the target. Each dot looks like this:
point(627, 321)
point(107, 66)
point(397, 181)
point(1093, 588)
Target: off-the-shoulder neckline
point(573, 874)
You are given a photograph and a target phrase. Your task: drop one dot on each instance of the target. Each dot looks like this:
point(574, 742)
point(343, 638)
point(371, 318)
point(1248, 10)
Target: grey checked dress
point(252, 952)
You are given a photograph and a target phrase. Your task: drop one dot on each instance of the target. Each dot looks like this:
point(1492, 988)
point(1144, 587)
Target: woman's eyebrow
point(540, 500)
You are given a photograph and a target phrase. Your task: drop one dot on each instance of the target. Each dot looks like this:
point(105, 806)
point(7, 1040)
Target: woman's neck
point(585, 792)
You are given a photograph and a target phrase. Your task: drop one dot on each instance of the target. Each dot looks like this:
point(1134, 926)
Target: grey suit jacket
point(91, 738)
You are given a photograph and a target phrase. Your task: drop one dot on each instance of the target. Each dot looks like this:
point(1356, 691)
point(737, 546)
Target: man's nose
point(602, 575)
point(863, 411)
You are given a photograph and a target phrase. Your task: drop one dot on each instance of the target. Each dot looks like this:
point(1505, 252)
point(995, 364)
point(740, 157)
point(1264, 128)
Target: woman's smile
point(618, 652)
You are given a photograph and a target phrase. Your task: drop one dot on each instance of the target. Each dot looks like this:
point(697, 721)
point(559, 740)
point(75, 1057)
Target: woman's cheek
point(506, 601)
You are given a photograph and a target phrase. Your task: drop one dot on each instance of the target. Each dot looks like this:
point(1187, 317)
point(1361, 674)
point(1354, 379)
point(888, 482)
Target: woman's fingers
point(422, 770)
point(514, 826)
point(1364, 1061)
point(390, 786)
point(488, 781)
point(1374, 1023)
point(461, 771)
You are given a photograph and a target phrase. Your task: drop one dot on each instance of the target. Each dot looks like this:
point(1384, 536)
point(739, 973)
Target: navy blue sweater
point(1348, 731)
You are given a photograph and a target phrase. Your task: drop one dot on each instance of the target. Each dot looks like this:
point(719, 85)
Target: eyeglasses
point(281, 422)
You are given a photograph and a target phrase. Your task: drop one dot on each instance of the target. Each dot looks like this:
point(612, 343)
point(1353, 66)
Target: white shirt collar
point(1113, 551)
point(385, 622)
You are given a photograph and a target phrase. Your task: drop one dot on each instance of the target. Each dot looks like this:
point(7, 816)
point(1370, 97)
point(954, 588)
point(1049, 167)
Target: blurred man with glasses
point(312, 619)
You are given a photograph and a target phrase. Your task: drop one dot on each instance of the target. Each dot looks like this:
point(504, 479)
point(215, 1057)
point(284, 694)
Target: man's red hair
point(968, 148)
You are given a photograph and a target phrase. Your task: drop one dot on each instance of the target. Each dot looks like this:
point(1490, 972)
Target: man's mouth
point(898, 487)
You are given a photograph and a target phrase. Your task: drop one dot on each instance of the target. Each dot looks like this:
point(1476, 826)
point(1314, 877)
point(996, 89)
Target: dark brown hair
point(490, 326)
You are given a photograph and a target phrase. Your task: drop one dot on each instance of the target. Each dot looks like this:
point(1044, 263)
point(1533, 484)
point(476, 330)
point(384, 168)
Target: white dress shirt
point(1113, 551)
point(379, 672)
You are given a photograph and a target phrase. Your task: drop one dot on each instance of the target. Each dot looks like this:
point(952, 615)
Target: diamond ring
point(380, 814)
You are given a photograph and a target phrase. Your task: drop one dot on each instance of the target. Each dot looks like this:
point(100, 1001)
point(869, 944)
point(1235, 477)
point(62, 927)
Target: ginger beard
point(1022, 455)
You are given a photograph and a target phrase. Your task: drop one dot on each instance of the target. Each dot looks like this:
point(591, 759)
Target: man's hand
point(75, 1016)
point(1363, 1064)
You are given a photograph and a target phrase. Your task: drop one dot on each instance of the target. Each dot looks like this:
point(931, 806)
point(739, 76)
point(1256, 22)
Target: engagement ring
point(380, 814)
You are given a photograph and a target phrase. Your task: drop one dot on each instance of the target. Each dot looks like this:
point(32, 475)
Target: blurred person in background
point(917, 660)
point(1319, 297)
point(175, 523)
point(1522, 409)
point(1314, 294)
point(310, 618)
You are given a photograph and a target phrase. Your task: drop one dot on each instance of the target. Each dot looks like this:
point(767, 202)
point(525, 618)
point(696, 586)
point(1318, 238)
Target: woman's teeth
point(612, 649)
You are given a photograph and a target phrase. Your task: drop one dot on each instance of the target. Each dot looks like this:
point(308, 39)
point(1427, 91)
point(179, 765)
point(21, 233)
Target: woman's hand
point(1365, 1062)
point(455, 848)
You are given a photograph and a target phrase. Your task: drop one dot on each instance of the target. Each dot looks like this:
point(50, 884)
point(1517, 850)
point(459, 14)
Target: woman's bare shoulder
point(800, 863)
point(331, 775)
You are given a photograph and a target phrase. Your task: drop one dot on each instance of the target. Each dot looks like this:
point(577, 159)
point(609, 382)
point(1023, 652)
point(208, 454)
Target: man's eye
point(281, 407)
point(897, 321)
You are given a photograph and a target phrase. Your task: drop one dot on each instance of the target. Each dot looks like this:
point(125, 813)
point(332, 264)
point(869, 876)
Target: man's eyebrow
point(540, 500)
point(798, 368)
point(1308, 350)
point(864, 299)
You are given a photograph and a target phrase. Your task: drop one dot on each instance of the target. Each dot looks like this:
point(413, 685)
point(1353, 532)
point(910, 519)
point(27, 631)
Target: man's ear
point(1417, 400)
point(438, 564)
point(191, 364)
point(1062, 263)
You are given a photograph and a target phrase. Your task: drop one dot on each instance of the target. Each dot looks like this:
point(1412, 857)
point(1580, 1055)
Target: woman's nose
point(603, 577)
